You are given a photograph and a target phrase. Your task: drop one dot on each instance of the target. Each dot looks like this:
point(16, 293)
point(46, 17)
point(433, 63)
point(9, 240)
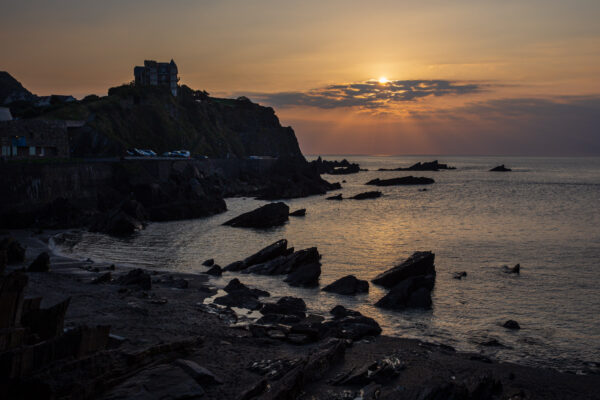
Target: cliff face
point(11, 90)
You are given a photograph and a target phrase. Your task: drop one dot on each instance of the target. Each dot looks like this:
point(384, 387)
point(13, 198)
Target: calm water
point(544, 215)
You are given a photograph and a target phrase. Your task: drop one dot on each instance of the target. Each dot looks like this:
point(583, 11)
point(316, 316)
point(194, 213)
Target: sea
point(544, 215)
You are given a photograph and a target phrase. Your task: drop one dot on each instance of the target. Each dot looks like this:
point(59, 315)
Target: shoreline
point(167, 314)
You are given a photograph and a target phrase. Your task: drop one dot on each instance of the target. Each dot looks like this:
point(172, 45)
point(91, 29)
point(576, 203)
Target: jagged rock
point(40, 264)
point(500, 168)
point(341, 312)
point(419, 263)
point(287, 305)
point(200, 374)
point(286, 263)
point(413, 292)
point(215, 270)
point(514, 270)
point(348, 285)
point(104, 278)
point(15, 253)
point(459, 275)
point(239, 295)
point(235, 286)
point(269, 215)
point(406, 180)
point(382, 371)
point(350, 324)
point(137, 277)
point(367, 195)
point(511, 324)
point(306, 275)
point(335, 197)
point(273, 250)
point(343, 167)
point(209, 262)
point(298, 213)
point(426, 166)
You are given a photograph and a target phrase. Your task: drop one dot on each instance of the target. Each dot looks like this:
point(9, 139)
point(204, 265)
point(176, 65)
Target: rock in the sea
point(335, 197)
point(514, 270)
point(341, 312)
point(426, 166)
point(267, 216)
point(268, 253)
point(298, 213)
point(351, 324)
point(137, 277)
point(405, 180)
point(460, 275)
point(367, 195)
point(235, 286)
point(124, 219)
point(511, 324)
point(306, 275)
point(287, 263)
point(348, 285)
point(209, 262)
point(500, 168)
point(287, 305)
point(343, 167)
point(104, 278)
point(239, 295)
point(15, 253)
point(419, 263)
point(215, 270)
point(413, 292)
point(40, 264)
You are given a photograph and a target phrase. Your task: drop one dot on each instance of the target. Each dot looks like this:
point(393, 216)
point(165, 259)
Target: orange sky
point(467, 77)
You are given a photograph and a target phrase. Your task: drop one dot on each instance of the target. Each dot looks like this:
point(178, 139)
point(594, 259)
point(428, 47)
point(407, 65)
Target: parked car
point(181, 153)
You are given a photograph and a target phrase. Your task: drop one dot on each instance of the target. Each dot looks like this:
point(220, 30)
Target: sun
point(383, 80)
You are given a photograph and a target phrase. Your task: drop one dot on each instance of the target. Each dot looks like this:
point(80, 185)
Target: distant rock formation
point(406, 180)
point(500, 168)
point(426, 166)
point(343, 167)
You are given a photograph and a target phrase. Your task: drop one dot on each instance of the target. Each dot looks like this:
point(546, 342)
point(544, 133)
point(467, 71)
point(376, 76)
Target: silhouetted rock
point(286, 306)
point(269, 215)
point(419, 263)
point(459, 275)
point(137, 277)
point(348, 285)
point(15, 253)
point(298, 213)
point(104, 278)
point(335, 197)
point(306, 275)
point(406, 180)
point(215, 270)
point(343, 167)
point(286, 263)
point(270, 252)
point(341, 312)
point(413, 292)
point(514, 270)
point(235, 286)
point(200, 374)
point(426, 166)
point(239, 295)
point(511, 324)
point(491, 343)
point(40, 264)
point(367, 195)
point(209, 262)
point(350, 324)
point(500, 168)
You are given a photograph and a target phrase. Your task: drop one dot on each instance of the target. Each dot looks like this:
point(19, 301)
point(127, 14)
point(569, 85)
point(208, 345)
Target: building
point(34, 138)
point(5, 114)
point(157, 74)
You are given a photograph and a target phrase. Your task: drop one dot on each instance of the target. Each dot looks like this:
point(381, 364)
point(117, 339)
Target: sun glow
point(383, 80)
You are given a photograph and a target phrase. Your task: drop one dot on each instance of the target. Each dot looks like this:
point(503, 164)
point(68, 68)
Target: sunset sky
point(351, 77)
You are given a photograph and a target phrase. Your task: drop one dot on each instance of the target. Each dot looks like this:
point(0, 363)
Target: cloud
point(369, 94)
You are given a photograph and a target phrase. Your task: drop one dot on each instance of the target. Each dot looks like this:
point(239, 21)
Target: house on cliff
point(34, 138)
point(157, 74)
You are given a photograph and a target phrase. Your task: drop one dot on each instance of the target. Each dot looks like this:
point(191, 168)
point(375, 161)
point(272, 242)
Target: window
point(32, 150)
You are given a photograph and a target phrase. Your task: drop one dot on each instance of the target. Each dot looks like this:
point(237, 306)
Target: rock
point(335, 167)
point(406, 180)
point(286, 263)
point(176, 283)
point(104, 278)
point(209, 262)
point(215, 270)
point(269, 215)
point(341, 312)
point(382, 372)
point(235, 286)
point(459, 275)
point(514, 270)
point(40, 264)
point(239, 295)
point(500, 168)
point(492, 343)
point(124, 219)
point(367, 195)
point(413, 292)
point(350, 324)
point(15, 253)
point(286, 306)
point(419, 263)
point(298, 213)
point(200, 374)
point(348, 285)
point(335, 197)
point(137, 277)
point(426, 166)
point(270, 252)
point(511, 324)
point(306, 275)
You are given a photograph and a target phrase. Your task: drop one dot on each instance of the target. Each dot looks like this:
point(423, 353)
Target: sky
point(454, 77)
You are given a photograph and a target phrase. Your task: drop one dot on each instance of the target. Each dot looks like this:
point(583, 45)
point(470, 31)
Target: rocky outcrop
point(335, 197)
point(348, 285)
point(215, 270)
point(406, 180)
point(136, 278)
point(419, 263)
point(514, 270)
point(349, 324)
point(343, 167)
point(367, 195)
point(425, 166)
point(511, 324)
point(500, 168)
point(279, 248)
point(306, 275)
point(239, 295)
point(298, 213)
point(267, 216)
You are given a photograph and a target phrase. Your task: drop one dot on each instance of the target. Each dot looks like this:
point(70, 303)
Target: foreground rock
point(137, 278)
point(419, 263)
point(306, 275)
point(349, 324)
point(406, 180)
point(348, 285)
point(426, 166)
point(267, 216)
point(240, 295)
point(500, 168)
point(367, 195)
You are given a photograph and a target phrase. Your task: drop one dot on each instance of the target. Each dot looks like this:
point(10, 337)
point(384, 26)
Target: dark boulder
point(269, 215)
point(335, 197)
point(348, 285)
point(425, 166)
point(215, 270)
point(341, 312)
point(413, 292)
point(15, 253)
point(104, 278)
point(287, 305)
point(40, 264)
point(286, 264)
point(235, 286)
point(136, 277)
point(209, 262)
point(240, 295)
point(511, 324)
point(406, 180)
point(367, 195)
point(500, 168)
point(514, 270)
point(459, 275)
point(306, 275)
point(268, 253)
point(343, 167)
point(298, 213)
point(419, 263)
point(352, 325)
